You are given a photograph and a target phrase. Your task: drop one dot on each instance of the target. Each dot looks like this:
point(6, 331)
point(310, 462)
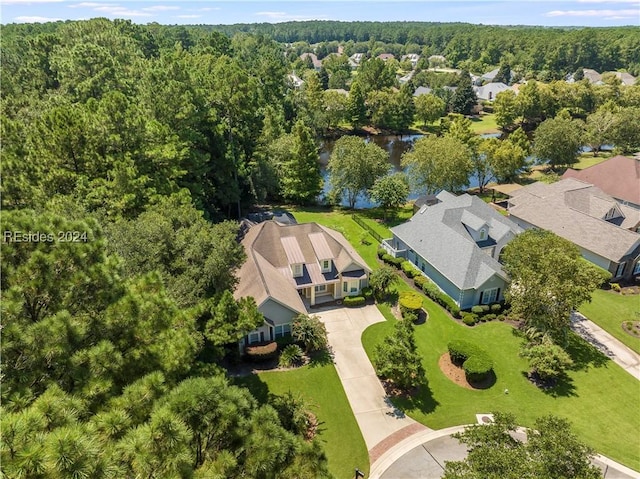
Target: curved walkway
point(614, 349)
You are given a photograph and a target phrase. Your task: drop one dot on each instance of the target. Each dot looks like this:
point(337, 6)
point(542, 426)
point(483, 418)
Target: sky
point(488, 12)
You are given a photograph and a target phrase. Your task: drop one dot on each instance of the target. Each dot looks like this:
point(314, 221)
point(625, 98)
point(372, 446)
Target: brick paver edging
point(387, 443)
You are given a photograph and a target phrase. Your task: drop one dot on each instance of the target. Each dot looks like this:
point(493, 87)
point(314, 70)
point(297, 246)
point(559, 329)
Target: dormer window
point(297, 270)
point(325, 265)
point(483, 234)
point(612, 213)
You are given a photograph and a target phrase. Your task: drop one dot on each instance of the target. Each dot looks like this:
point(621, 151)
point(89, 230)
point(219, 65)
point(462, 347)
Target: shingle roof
point(490, 90)
point(566, 209)
point(271, 248)
point(618, 176)
point(438, 234)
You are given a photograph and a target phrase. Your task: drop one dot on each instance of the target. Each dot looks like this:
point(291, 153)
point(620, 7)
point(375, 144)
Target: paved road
point(619, 353)
point(377, 418)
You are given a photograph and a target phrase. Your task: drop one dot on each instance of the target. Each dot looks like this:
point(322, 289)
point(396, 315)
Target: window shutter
point(498, 295)
point(481, 296)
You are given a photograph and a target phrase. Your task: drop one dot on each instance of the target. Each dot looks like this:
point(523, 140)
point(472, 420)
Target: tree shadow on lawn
point(420, 399)
point(320, 358)
point(584, 354)
point(563, 386)
point(255, 385)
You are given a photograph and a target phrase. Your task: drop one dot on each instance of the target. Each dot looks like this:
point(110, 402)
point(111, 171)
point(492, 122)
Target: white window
point(483, 234)
point(636, 269)
point(620, 270)
point(489, 296)
point(321, 288)
point(254, 338)
point(353, 286)
point(326, 265)
point(297, 270)
point(283, 330)
point(345, 287)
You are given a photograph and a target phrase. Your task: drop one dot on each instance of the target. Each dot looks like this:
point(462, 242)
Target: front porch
point(389, 245)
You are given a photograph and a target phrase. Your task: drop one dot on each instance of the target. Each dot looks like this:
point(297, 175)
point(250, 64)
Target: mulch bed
point(456, 374)
point(635, 328)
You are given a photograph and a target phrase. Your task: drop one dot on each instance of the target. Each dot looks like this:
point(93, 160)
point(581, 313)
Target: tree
point(551, 451)
point(504, 74)
point(310, 331)
point(529, 102)
point(549, 279)
point(382, 279)
point(374, 75)
point(506, 159)
point(599, 128)
point(557, 141)
point(356, 106)
point(301, 181)
point(354, 167)
point(337, 108)
point(547, 360)
point(439, 163)
point(505, 108)
point(232, 319)
point(429, 108)
point(626, 130)
point(397, 357)
point(390, 191)
point(520, 138)
point(464, 98)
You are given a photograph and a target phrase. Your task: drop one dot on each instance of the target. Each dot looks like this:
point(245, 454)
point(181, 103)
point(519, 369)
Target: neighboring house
point(413, 58)
point(317, 64)
point(592, 76)
point(291, 266)
point(490, 76)
point(618, 176)
point(355, 60)
point(586, 216)
point(386, 56)
point(295, 80)
point(422, 90)
point(490, 90)
point(625, 78)
point(428, 200)
point(457, 243)
point(406, 78)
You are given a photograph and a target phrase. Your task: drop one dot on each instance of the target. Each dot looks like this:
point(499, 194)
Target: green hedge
point(420, 280)
point(262, 351)
point(469, 319)
point(475, 361)
point(496, 308)
point(432, 291)
point(477, 309)
point(409, 269)
point(387, 258)
point(381, 252)
point(353, 301)
point(367, 292)
point(409, 301)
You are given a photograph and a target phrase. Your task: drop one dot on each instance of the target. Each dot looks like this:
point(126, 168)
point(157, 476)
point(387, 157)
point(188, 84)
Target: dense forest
point(127, 153)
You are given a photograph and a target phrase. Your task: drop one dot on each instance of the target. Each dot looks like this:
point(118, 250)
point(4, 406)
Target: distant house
point(422, 90)
point(290, 267)
point(593, 76)
point(457, 242)
point(386, 56)
point(413, 58)
point(406, 78)
point(355, 60)
point(489, 91)
point(586, 216)
point(625, 78)
point(490, 76)
point(295, 80)
point(317, 64)
point(618, 176)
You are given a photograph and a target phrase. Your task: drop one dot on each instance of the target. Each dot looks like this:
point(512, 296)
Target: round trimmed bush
point(490, 316)
point(367, 292)
point(477, 309)
point(381, 252)
point(262, 351)
point(460, 350)
point(290, 356)
point(477, 367)
point(420, 280)
point(469, 319)
point(496, 308)
point(409, 301)
point(409, 269)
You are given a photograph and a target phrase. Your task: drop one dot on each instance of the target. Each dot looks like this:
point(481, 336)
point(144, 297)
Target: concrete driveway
point(380, 423)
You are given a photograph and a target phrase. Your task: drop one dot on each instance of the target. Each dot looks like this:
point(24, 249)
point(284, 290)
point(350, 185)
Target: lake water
point(395, 146)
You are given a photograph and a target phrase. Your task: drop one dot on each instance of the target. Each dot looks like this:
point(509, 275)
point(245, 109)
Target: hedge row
point(433, 292)
point(409, 269)
point(387, 258)
point(475, 361)
point(482, 309)
point(354, 301)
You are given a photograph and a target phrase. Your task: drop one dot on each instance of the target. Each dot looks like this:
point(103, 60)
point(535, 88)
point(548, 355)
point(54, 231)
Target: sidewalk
point(380, 423)
point(609, 346)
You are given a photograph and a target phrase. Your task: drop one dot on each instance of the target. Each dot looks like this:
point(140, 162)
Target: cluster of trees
point(553, 51)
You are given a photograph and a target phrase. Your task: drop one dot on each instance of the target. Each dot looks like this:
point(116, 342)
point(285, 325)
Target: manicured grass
point(338, 431)
point(609, 309)
point(486, 124)
point(599, 398)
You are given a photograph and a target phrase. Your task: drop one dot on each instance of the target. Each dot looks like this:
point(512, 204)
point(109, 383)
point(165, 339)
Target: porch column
point(313, 295)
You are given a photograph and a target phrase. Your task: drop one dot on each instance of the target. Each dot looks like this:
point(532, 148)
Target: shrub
point(367, 292)
point(501, 317)
point(397, 358)
point(496, 308)
point(387, 258)
point(433, 292)
point(477, 310)
point(490, 317)
point(420, 280)
point(381, 252)
point(290, 356)
point(616, 287)
point(409, 269)
point(469, 319)
point(485, 308)
point(310, 331)
point(410, 316)
point(260, 352)
point(409, 301)
point(477, 367)
point(460, 350)
point(354, 301)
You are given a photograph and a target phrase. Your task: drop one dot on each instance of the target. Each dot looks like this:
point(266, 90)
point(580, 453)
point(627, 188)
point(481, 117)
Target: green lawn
point(609, 309)
point(321, 387)
point(600, 398)
point(485, 124)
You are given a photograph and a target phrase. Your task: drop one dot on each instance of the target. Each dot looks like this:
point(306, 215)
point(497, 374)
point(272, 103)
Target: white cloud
point(208, 9)
point(285, 17)
point(27, 19)
point(160, 8)
point(189, 16)
point(91, 5)
point(594, 13)
point(27, 2)
point(118, 11)
point(607, 1)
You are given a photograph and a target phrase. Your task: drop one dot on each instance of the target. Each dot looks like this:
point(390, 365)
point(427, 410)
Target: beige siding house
point(290, 268)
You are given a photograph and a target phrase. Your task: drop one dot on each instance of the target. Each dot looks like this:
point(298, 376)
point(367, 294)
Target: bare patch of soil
point(456, 374)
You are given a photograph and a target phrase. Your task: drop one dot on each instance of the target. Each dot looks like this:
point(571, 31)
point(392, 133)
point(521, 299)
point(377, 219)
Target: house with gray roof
point(603, 229)
point(456, 243)
point(490, 90)
point(292, 267)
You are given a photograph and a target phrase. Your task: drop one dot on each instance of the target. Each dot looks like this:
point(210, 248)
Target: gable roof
point(438, 234)
point(317, 64)
point(490, 90)
point(573, 209)
point(271, 250)
point(422, 90)
point(618, 176)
